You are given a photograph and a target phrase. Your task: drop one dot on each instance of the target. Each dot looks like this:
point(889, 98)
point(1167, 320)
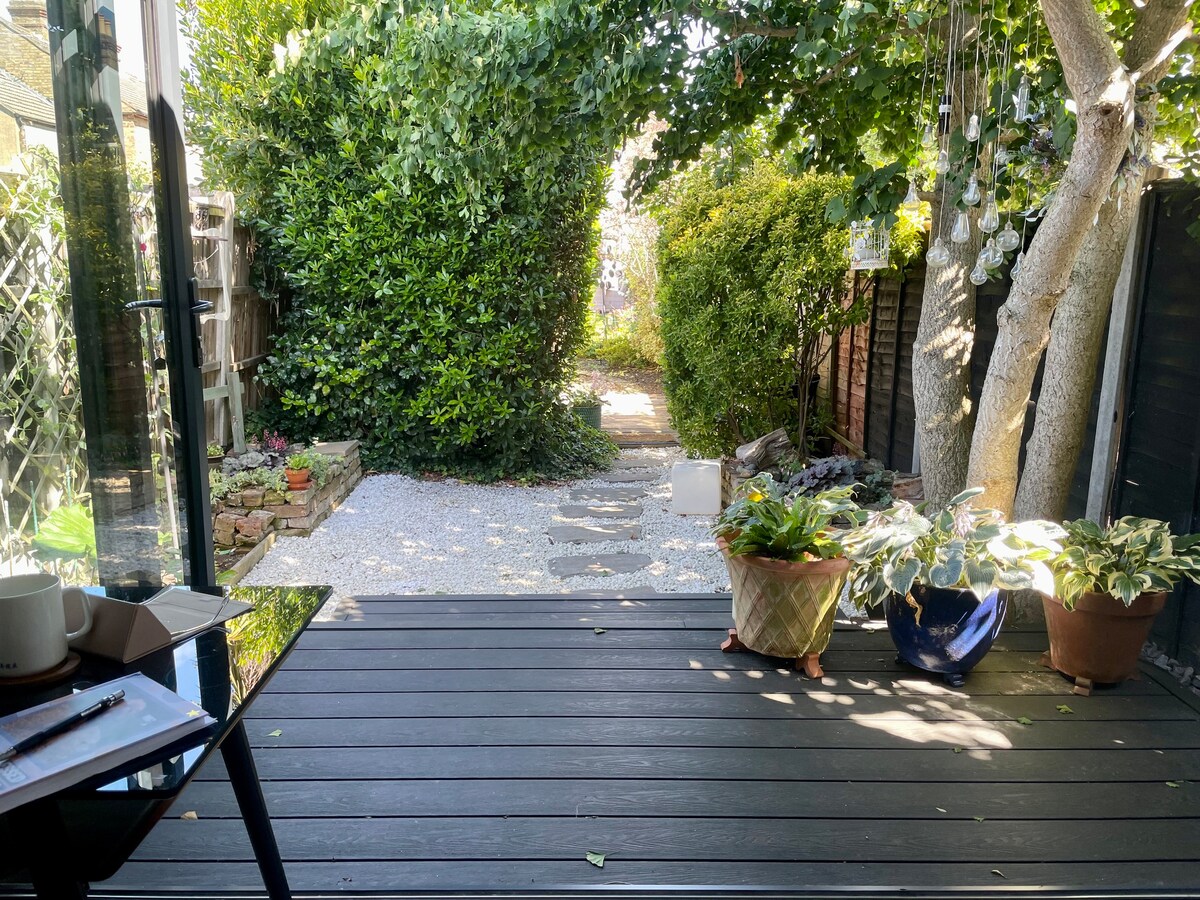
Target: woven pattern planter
point(784, 608)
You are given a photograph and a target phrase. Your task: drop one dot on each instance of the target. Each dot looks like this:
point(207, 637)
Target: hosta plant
point(956, 547)
point(764, 521)
point(1130, 557)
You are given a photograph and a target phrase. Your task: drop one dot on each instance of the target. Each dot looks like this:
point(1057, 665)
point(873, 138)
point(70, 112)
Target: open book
point(150, 716)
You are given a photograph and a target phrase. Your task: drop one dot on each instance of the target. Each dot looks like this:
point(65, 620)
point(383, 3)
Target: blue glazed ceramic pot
point(955, 631)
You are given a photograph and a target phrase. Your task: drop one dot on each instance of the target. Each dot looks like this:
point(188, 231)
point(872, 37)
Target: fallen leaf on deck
point(978, 818)
point(998, 873)
point(1025, 720)
point(190, 815)
point(275, 733)
point(600, 631)
point(939, 809)
point(958, 749)
point(1064, 709)
point(596, 859)
point(1172, 784)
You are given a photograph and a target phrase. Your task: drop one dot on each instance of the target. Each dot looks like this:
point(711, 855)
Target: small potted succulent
point(1109, 584)
point(298, 468)
point(786, 567)
point(940, 576)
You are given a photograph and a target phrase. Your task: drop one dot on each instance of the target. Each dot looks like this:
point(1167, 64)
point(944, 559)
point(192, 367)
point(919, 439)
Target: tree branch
point(1089, 60)
point(1159, 30)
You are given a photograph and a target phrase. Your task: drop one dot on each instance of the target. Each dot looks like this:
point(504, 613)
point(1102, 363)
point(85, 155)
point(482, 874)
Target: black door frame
point(181, 310)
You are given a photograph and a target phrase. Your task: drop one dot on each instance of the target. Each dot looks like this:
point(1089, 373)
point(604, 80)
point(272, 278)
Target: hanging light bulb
point(1008, 239)
point(929, 137)
point(938, 255)
point(1017, 264)
point(911, 200)
point(990, 220)
point(942, 166)
point(1003, 157)
point(971, 195)
point(961, 232)
point(978, 275)
point(991, 255)
point(1021, 100)
point(973, 127)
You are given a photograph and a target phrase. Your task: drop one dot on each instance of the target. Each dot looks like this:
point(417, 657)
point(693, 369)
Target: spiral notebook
point(149, 717)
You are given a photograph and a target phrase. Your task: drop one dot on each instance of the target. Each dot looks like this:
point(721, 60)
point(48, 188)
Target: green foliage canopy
point(428, 178)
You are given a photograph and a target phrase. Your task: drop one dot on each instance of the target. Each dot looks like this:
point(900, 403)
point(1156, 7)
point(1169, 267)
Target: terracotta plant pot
point(784, 608)
point(297, 479)
point(1100, 640)
point(954, 632)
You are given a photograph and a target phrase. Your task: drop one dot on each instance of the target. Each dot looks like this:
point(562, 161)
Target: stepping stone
point(586, 534)
point(600, 511)
point(629, 477)
point(627, 462)
point(603, 564)
point(608, 495)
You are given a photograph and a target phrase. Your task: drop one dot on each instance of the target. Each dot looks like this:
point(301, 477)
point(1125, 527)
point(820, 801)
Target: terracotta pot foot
point(954, 679)
point(732, 644)
point(1083, 687)
point(810, 664)
point(1045, 660)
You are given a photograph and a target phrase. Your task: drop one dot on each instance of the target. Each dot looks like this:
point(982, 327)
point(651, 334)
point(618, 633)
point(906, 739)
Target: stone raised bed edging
point(245, 519)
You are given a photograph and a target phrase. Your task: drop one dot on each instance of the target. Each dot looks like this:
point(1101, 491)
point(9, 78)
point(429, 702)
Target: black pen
point(65, 725)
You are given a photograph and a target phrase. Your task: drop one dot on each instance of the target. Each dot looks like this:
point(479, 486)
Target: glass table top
point(221, 669)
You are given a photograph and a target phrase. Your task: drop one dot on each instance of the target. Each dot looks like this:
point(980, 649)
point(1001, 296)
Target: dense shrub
point(751, 279)
point(428, 179)
point(628, 338)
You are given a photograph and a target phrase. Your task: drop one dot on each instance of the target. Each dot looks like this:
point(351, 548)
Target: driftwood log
point(764, 452)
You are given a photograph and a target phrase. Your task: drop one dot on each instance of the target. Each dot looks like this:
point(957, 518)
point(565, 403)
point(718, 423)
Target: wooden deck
point(484, 745)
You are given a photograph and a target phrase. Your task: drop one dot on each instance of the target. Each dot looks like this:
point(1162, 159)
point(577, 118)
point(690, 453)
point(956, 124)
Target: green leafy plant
point(221, 485)
point(750, 291)
point(764, 521)
point(215, 450)
point(956, 547)
point(1130, 557)
point(299, 461)
point(67, 533)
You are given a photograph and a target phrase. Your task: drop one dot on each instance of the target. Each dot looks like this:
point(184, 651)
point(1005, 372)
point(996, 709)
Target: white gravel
point(400, 535)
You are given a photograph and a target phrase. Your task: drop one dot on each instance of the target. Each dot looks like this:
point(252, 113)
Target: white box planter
point(696, 487)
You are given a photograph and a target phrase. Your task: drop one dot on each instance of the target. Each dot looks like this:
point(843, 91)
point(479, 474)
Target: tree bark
point(941, 355)
point(941, 363)
point(1104, 94)
point(1076, 338)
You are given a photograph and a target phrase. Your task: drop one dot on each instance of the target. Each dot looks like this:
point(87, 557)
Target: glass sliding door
point(103, 266)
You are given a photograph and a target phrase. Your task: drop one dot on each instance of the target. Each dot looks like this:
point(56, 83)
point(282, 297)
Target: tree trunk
point(941, 363)
point(1103, 92)
point(941, 360)
point(1076, 338)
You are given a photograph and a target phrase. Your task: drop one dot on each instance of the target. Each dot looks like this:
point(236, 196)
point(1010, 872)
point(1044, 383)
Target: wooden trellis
point(42, 463)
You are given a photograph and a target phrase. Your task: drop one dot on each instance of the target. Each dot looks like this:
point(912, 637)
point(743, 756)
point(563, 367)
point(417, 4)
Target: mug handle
point(85, 602)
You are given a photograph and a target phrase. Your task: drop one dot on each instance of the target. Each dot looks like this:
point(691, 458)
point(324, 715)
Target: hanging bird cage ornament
point(869, 246)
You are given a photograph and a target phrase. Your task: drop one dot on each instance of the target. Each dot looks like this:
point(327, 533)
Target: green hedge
point(750, 276)
point(428, 181)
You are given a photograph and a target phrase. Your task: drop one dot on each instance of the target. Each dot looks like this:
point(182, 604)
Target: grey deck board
point(482, 745)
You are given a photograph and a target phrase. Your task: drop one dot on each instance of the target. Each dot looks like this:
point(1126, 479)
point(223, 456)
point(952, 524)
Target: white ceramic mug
point(33, 623)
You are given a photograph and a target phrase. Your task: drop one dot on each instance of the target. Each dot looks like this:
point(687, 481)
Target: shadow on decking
point(486, 744)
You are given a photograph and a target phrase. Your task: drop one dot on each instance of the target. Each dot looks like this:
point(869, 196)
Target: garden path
point(400, 535)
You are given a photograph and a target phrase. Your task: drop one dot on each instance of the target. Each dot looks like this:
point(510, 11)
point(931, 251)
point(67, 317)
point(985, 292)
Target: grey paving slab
point(626, 463)
point(600, 510)
point(590, 534)
point(631, 477)
point(607, 495)
point(600, 564)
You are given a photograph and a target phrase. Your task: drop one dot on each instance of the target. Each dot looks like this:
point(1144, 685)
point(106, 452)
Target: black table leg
point(244, 777)
point(43, 837)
